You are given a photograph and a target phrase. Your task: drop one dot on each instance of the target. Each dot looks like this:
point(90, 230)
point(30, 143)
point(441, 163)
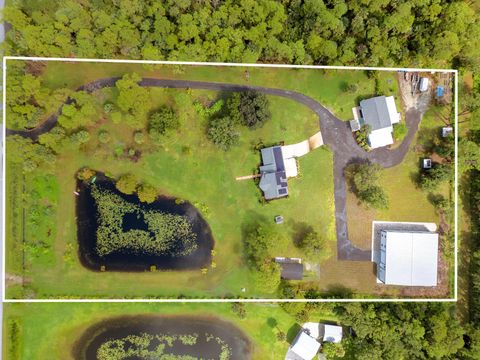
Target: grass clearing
point(49, 331)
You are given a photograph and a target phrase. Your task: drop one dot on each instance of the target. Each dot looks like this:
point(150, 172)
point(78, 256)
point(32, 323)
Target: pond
point(189, 251)
point(142, 337)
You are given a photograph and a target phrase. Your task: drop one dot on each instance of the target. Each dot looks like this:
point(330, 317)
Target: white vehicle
point(423, 84)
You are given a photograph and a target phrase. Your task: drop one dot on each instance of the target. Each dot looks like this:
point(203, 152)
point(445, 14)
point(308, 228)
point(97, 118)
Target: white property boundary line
point(161, 62)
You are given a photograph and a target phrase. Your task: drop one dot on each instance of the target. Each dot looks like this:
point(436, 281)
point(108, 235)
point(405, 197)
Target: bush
point(85, 174)
point(127, 184)
point(430, 179)
point(239, 309)
point(161, 121)
point(147, 193)
point(103, 136)
point(108, 107)
point(399, 131)
point(139, 137)
point(223, 133)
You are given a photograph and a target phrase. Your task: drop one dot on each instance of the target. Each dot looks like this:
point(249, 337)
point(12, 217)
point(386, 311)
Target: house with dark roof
point(273, 181)
point(380, 113)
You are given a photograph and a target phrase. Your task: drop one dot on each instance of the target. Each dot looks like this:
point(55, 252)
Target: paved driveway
point(336, 134)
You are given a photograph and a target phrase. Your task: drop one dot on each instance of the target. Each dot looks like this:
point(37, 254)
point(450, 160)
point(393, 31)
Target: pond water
point(87, 224)
point(214, 337)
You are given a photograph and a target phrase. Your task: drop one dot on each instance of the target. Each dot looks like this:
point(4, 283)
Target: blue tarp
point(439, 91)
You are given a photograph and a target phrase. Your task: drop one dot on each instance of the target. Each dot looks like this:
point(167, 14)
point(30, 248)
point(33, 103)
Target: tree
point(314, 246)
point(79, 112)
point(254, 109)
point(161, 121)
point(363, 179)
point(133, 100)
point(401, 331)
point(147, 193)
point(80, 137)
point(261, 242)
point(29, 155)
point(239, 309)
point(127, 184)
point(333, 350)
point(223, 132)
point(430, 179)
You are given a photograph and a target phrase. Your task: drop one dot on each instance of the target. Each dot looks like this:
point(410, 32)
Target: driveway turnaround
point(336, 134)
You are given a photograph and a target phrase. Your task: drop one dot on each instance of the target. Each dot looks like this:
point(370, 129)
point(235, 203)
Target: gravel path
point(336, 134)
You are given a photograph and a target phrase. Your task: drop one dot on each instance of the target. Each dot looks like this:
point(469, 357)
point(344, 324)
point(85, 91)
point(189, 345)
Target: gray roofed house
point(380, 113)
point(375, 112)
point(273, 181)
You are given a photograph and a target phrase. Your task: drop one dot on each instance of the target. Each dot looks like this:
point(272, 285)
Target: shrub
point(103, 136)
point(108, 107)
point(139, 137)
point(239, 309)
point(399, 131)
point(431, 178)
point(161, 121)
point(223, 133)
point(147, 193)
point(85, 174)
point(127, 184)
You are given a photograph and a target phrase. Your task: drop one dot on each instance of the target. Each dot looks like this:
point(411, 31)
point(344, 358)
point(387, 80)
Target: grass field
point(187, 166)
point(407, 202)
point(48, 331)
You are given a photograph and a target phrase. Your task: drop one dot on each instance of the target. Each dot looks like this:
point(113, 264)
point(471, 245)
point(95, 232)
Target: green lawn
point(185, 165)
point(49, 330)
point(407, 202)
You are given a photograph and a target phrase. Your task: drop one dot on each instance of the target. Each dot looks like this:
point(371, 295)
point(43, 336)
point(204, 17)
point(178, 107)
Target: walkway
point(336, 134)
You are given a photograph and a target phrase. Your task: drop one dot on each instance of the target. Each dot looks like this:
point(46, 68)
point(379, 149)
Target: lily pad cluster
point(165, 234)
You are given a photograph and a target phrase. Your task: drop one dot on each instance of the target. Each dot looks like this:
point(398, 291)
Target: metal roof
point(375, 112)
point(291, 270)
point(409, 258)
point(274, 179)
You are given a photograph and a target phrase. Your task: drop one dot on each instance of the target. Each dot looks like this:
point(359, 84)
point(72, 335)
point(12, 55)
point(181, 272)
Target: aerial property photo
point(173, 180)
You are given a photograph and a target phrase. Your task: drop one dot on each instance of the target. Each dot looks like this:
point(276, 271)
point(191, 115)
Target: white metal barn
point(408, 258)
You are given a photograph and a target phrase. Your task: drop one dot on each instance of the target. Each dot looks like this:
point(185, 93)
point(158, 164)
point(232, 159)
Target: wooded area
point(391, 33)
point(433, 33)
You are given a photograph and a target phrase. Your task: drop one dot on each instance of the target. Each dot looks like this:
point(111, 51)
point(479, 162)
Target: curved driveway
point(335, 132)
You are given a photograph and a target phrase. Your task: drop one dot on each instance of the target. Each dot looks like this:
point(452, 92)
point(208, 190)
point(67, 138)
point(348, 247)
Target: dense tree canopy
point(293, 31)
point(401, 331)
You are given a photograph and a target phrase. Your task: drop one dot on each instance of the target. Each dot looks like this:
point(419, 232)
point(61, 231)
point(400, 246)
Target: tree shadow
point(338, 291)
point(300, 230)
point(293, 332)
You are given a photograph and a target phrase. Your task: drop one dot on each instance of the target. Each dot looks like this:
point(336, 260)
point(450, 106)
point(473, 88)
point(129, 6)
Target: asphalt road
point(336, 134)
